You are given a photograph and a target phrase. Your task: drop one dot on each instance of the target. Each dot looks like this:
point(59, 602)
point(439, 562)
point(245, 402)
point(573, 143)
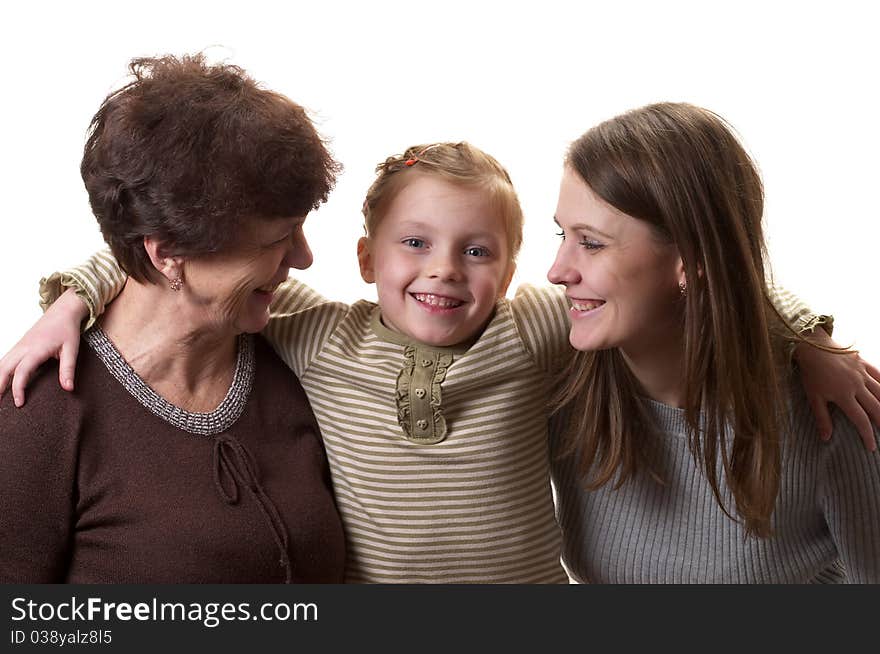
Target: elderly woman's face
point(232, 290)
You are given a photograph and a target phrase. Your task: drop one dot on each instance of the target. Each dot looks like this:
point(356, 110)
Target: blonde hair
point(458, 163)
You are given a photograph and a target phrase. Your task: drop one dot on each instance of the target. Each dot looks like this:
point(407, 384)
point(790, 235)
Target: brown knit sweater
point(94, 488)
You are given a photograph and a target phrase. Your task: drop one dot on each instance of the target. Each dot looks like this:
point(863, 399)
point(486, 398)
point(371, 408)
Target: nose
point(298, 255)
point(563, 271)
point(444, 266)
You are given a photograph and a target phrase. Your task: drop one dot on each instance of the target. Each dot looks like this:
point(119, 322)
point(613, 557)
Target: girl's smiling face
point(440, 261)
point(621, 278)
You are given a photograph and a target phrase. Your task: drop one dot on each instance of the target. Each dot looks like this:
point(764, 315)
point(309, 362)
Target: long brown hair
point(681, 169)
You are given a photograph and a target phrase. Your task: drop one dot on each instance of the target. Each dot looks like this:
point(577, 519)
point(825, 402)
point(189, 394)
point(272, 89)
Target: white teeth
point(586, 306)
point(437, 300)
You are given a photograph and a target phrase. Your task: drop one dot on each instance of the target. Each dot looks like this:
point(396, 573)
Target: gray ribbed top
point(826, 523)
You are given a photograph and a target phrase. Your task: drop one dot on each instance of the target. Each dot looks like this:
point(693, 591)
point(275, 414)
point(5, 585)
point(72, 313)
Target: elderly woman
point(189, 452)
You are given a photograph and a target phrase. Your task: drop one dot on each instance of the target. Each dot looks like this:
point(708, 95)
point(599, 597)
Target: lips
point(271, 287)
point(438, 301)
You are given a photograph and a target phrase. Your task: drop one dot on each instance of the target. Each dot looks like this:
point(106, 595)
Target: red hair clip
point(413, 160)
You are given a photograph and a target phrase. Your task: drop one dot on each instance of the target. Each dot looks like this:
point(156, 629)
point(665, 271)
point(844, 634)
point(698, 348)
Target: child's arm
point(99, 280)
point(96, 282)
point(300, 323)
point(541, 318)
point(83, 293)
point(842, 379)
point(55, 335)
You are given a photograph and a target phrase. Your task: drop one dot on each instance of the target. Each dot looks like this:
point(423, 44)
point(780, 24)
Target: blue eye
point(477, 251)
point(413, 242)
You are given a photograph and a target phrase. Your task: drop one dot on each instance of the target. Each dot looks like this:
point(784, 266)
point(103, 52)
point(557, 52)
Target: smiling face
point(439, 259)
point(620, 277)
point(231, 290)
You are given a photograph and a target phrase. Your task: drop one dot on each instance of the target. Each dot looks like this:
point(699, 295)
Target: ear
point(365, 260)
point(169, 267)
point(679, 272)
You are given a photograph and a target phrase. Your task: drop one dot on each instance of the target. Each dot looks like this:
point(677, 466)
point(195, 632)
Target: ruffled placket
point(419, 393)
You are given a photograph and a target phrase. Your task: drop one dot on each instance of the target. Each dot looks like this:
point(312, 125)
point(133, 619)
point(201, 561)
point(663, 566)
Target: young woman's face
point(439, 259)
point(231, 290)
point(620, 277)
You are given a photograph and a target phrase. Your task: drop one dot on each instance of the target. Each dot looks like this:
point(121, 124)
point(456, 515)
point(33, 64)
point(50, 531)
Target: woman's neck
point(659, 368)
point(183, 359)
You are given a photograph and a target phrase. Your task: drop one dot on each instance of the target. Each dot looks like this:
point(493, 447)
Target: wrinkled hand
point(847, 380)
point(56, 335)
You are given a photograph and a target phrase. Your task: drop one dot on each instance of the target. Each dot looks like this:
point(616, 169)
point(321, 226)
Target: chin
point(437, 340)
point(252, 324)
point(433, 341)
point(587, 343)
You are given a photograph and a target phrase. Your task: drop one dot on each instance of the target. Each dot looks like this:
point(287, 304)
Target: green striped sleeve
point(300, 323)
point(541, 318)
point(97, 282)
point(798, 314)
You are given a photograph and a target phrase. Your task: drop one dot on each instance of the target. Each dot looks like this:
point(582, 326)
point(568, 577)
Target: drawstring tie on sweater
point(233, 462)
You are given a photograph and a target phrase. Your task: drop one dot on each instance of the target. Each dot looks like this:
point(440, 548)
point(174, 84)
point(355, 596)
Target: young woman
point(688, 450)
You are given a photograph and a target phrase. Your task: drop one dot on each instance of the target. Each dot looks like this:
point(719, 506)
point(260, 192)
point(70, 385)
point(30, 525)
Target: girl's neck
point(186, 361)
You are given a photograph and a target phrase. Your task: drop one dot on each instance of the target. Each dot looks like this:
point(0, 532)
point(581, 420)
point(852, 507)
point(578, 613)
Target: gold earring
point(176, 284)
point(683, 288)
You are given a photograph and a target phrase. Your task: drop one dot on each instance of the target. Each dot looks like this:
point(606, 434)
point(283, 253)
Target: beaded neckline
point(200, 424)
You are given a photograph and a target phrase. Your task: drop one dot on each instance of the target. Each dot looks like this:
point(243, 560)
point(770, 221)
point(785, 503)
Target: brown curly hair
point(188, 151)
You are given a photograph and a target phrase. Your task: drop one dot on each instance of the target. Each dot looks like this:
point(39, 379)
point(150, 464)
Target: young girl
point(691, 452)
point(433, 403)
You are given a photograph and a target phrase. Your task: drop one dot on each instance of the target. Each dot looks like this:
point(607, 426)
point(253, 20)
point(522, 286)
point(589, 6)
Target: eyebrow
point(585, 227)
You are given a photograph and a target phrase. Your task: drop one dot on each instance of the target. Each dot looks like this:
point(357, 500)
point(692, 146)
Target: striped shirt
point(440, 469)
point(826, 525)
point(471, 504)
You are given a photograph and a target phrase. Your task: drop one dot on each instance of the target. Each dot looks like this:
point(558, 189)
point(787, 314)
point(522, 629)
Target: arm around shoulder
point(96, 282)
point(540, 314)
point(300, 323)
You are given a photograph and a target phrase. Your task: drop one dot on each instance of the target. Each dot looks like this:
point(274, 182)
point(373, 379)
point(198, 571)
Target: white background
point(797, 80)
